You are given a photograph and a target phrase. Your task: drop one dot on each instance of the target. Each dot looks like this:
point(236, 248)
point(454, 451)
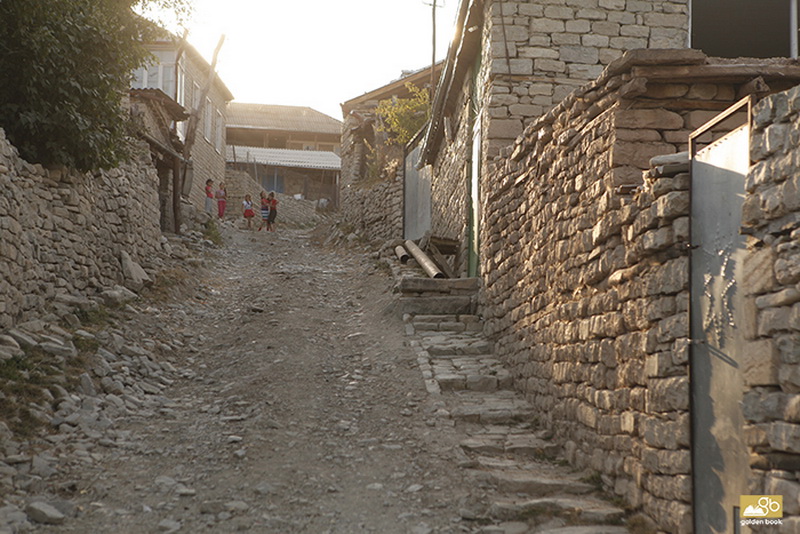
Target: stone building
point(511, 62)
point(372, 182)
point(587, 292)
point(282, 127)
point(155, 114)
point(287, 149)
point(183, 81)
point(543, 124)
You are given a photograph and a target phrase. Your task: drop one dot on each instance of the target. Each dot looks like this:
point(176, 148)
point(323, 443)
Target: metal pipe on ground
point(424, 261)
point(401, 253)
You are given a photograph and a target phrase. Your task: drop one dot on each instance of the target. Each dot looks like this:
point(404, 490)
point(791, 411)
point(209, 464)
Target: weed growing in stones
point(212, 233)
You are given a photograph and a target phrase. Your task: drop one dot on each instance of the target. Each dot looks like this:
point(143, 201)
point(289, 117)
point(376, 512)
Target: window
point(219, 141)
point(181, 92)
point(195, 96)
point(208, 116)
point(744, 28)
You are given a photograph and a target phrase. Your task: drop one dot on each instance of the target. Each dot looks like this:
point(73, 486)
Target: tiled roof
point(285, 118)
point(283, 157)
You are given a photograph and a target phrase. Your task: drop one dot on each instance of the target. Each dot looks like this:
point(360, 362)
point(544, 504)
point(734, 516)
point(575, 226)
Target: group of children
point(269, 206)
point(220, 195)
point(269, 211)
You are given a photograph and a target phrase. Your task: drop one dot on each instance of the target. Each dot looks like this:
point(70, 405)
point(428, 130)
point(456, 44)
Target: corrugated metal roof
point(284, 157)
point(285, 118)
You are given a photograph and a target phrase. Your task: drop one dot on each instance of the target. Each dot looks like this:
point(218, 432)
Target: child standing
point(247, 206)
point(265, 210)
point(222, 199)
point(210, 196)
point(273, 211)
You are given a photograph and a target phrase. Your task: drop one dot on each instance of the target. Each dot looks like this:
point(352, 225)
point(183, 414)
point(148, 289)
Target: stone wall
point(586, 281)
point(771, 215)
point(531, 56)
point(291, 212)
point(66, 233)
point(450, 189)
point(375, 210)
point(371, 205)
point(539, 52)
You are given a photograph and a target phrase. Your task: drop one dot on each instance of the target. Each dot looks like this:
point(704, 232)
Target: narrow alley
point(297, 403)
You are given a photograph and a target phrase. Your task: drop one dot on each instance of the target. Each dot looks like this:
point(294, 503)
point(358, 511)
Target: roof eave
point(451, 75)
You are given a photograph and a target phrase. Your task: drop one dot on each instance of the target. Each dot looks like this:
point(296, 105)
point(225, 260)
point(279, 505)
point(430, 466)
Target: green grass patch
point(86, 344)
point(97, 317)
point(212, 233)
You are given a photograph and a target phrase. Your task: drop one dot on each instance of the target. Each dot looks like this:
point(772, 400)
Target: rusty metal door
point(416, 197)
point(719, 453)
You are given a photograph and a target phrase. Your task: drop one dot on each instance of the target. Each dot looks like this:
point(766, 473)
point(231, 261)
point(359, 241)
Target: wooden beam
point(440, 260)
point(729, 73)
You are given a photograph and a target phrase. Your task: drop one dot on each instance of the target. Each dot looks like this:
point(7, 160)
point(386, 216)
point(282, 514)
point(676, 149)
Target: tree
point(402, 118)
point(65, 65)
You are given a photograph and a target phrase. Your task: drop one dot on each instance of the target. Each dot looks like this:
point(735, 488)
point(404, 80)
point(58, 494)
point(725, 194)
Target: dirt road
point(301, 410)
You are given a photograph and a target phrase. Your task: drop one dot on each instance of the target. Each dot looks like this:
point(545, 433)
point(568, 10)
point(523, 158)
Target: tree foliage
point(65, 65)
point(402, 118)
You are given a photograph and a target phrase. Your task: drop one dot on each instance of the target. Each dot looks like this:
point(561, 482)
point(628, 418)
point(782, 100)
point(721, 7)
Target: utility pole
point(433, 43)
point(433, 5)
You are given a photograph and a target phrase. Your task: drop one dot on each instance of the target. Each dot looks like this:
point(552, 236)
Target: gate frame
point(748, 102)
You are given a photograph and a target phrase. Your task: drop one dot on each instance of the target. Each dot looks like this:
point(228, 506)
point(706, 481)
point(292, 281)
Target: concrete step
point(426, 325)
point(467, 372)
point(458, 346)
point(583, 509)
point(535, 484)
point(453, 305)
point(518, 445)
point(494, 410)
point(455, 381)
point(586, 529)
point(433, 286)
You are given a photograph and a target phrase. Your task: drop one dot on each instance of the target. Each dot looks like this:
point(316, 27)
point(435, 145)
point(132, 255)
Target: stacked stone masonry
point(375, 210)
point(371, 187)
point(65, 233)
point(771, 215)
point(586, 280)
point(538, 52)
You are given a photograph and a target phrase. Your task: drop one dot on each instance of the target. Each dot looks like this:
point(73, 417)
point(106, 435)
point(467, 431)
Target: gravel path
point(303, 409)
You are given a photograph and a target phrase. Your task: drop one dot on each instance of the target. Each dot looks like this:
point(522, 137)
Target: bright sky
point(317, 53)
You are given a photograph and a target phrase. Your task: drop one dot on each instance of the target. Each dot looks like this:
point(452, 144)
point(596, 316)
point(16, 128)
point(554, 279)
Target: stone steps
point(515, 446)
point(445, 305)
point(513, 462)
point(584, 509)
point(491, 408)
point(519, 481)
point(593, 529)
point(425, 325)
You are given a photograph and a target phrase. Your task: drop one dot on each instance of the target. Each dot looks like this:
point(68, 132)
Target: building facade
point(181, 72)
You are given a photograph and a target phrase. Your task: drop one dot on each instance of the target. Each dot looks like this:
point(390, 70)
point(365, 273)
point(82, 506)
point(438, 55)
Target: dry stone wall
point(375, 210)
point(450, 189)
point(771, 215)
point(586, 280)
point(65, 233)
point(292, 212)
point(371, 185)
point(539, 52)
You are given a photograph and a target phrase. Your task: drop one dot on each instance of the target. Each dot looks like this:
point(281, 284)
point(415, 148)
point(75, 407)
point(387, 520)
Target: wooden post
point(194, 117)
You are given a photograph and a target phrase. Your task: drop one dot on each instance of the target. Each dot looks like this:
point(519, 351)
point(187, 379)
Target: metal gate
point(719, 453)
point(416, 197)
